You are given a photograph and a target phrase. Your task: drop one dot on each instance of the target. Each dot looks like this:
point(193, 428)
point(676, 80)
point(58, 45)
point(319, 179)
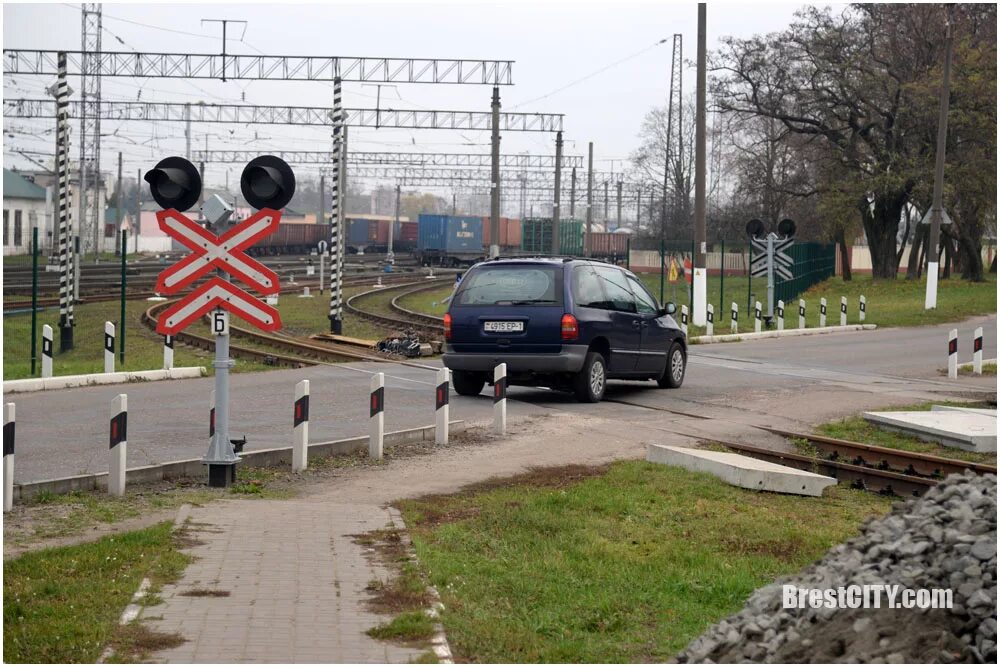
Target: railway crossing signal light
point(174, 183)
point(267, 182)
point(786, 228)
point(755, 228)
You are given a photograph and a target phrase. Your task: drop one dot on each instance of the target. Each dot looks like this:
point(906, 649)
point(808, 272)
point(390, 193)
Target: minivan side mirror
point(669, 309)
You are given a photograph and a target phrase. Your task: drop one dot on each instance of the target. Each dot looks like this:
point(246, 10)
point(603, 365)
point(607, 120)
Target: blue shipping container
point(451, 234)
point(357, 233)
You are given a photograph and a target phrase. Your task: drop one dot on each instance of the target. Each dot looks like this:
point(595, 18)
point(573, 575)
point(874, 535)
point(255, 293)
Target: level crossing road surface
point(65, 432)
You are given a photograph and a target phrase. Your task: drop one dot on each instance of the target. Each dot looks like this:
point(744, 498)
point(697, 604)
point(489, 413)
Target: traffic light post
point(770, 259)
point(267, 184)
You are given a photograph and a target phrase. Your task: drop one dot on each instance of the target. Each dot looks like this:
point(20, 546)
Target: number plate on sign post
point(220, 323)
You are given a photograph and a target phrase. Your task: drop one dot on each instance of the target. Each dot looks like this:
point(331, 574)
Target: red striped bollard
point(953, 354)
point(977, 352)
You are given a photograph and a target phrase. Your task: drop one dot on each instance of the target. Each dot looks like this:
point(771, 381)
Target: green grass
point(430, 302)
point(857, 429)
point(966, 369)
point(628, 565)
point(408, 626)
point(62, 605)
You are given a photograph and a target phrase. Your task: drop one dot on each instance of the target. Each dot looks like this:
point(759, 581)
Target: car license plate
point(503, 327)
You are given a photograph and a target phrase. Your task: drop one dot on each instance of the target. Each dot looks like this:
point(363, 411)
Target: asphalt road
point(794, 381)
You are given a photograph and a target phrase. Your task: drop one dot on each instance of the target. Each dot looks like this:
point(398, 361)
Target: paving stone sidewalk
point(295, 581)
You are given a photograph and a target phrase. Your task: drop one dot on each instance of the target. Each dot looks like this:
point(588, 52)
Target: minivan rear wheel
point(590, 383)
point(467, 383)
point(673, 374)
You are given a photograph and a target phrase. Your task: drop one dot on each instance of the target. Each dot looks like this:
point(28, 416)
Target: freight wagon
point(449, 240)
point(291, 238)
point(510, 234)
point(370, 234)
point(536, 237)
point(608, 245)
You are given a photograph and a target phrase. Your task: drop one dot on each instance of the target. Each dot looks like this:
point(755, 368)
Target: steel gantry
point(90, 126)
point(414, 119)
point(362, 158)
point(268, 68)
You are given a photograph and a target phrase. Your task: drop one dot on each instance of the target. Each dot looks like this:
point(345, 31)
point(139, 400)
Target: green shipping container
point(536, 236)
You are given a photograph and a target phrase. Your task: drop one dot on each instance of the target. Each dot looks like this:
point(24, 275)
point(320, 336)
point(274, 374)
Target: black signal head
point(267, 182)
point(174, 183)
point(755, 228)
point(786, 228)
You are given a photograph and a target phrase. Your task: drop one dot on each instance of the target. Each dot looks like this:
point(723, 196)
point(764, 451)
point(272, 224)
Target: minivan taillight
point(447, 326)
point(569, 327)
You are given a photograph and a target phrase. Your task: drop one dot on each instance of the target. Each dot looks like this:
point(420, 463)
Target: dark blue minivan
point(569, 324)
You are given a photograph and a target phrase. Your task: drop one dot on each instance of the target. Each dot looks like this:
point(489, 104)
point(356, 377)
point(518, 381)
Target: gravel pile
point(945, 540)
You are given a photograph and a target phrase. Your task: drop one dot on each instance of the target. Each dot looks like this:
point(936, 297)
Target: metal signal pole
point(555, 204)
point(937, 208)
point(495, 177)
point(699, 283)
point(590, 196)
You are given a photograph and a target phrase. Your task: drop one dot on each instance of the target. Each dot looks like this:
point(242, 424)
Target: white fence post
point(862, 306)
point(46, 351)
point(684, 320)
point(300, 427)
point(376, 415)
point(977, 351)
point(843, 311)
point(441, 409)
point(500, 399)
point(709, 320)
point(756, 317)
point(953, 354)
point(822, 312)
point(109, 347)
point(119, 445)
point(8, 457)
point(168, 352)
point(802, 313)
point(734, 313)
point(781, 315)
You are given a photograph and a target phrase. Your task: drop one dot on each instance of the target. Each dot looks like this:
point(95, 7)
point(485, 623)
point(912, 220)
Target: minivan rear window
point(511, 285)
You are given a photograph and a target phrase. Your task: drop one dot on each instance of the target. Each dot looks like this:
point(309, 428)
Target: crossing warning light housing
point(267, 182)
point(174, 183)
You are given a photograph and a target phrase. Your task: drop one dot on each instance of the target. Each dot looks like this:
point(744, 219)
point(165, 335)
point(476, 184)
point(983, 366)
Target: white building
point(107, 238)
point(25, 206)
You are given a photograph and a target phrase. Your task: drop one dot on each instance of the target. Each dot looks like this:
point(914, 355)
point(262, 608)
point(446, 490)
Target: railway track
point(425, 325)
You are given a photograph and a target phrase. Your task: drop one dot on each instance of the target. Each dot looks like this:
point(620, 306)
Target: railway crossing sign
point(768, 256)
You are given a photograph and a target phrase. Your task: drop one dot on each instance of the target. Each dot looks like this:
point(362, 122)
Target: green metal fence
point(814, 263)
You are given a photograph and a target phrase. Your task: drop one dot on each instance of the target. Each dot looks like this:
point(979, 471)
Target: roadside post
point(121, 319)
point(321, 246)
point(781, 315)
point(735, 315)
point(843, 311)
point(8, 457)
point(34, 299)
point(118, 444)
point(977, 351)
point(441, 409)
point(109, 347)
point(953, 354)
point(756, 317)
point(500, 399)
point(168, 352)
point(862, 305)
point(684, 320)
point(709, 320)
point(300, 427)
point(46, 351)
point(267, 184)
point(802, 313)
point(211, 414)
point(376, 415)
point(822, 312)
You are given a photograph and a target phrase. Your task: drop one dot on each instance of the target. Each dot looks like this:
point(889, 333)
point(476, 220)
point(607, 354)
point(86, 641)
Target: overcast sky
point(552, 43)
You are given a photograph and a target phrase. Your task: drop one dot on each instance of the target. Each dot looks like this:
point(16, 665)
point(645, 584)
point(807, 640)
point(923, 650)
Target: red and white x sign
point(223, 252)
point(217, 293)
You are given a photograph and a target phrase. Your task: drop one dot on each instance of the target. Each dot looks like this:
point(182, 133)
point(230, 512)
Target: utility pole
point(187, 130)
point(390, 256)
point(321, 216)
point(605, 205)
point(937, 207)
point(118, 206)
point(572, 194)
point(590, 196)
point(699, 282)
point(618, 224)
point(556, 221)
point(495, 177)
point(138, 207)
point(225, 23)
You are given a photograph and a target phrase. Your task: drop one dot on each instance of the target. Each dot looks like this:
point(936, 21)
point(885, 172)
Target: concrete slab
point(742, 471)
point(951, 428)
point(956, 408)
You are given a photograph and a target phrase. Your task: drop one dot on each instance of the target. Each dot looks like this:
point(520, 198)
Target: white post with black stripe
point(977, 351)
point(118, 444)
point(109, 347)
point(300, 427)
point(336, 232)
point(734, 314)
point(781, 315)
point(802, 313)
point(211, 415)
point(953, 354)
point(376, 414)
point(8, 457)
point(843, 311)
point(441, 408)
point(684, 320)
point(862, 308)
point(822, 312)
point(168, 352)
point(46, 351)
point(756, 316)
point(500, 399)
point(709, 320)
point(65, 216)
